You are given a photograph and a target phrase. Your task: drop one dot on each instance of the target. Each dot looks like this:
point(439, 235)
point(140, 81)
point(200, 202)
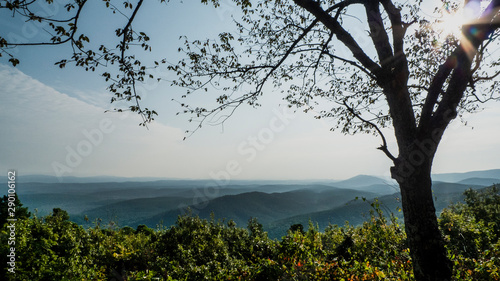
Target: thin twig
point(383, 147)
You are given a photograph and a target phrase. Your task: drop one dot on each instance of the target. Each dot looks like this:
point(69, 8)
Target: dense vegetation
point(54, 248)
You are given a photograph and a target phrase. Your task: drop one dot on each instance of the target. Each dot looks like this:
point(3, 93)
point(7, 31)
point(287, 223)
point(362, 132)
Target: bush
point(53, 248)
point(472, 232)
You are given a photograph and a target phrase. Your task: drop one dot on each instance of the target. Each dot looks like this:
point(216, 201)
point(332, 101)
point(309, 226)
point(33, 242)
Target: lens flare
point(453, 15)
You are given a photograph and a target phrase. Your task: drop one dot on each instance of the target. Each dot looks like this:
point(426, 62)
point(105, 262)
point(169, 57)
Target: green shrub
point(472, 233)
point(53, 248)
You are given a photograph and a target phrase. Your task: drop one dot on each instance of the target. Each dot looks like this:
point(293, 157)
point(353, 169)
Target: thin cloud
point(45, 126)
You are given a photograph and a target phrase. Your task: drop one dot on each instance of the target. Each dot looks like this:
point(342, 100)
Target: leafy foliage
point(331, 69)
point(54, 248)
point(20, 212)
point(64, 28)
point(473, 232)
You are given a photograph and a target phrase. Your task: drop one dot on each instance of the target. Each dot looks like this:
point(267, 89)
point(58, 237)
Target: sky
point(54, 121)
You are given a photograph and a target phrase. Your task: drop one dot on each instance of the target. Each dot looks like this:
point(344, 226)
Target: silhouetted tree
point(60, 214)
point(402, 75)
point(297, 227)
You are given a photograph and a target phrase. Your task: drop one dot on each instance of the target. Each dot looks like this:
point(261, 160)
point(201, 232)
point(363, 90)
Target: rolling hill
point(276, 204)
point(266, 207)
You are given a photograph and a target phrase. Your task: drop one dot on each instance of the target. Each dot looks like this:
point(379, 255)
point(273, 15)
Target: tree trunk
point(429, 258)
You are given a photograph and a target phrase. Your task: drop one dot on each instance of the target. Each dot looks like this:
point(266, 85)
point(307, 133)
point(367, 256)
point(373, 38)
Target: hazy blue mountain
point(107, 179)
point(276, 204)
point(363, 181)
point(100, 179)
point(131, 212)
point(357, 181)
point(71, 202)
point(448, 188)
point(354, 212)
point(369, 184)
point(266, 207)
point(357, 211)
point(457, 177)
point(381, 189)
point(480, 181)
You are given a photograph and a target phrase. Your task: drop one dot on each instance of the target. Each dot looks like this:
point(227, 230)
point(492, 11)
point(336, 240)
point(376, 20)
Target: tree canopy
point(311, 52)
point(329, 59)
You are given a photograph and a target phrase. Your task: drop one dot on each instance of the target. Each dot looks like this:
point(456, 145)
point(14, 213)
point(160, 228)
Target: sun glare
point(453, 14)
point(451, 24)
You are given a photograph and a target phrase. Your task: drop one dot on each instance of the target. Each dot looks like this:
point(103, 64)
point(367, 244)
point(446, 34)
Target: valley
point(276, 204)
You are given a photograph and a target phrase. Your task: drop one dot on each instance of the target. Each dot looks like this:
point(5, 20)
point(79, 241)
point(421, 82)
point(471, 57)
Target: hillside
point(276, 204)
point(357, 211)
point(199, 249)
point(266, 207)
point(457, 177)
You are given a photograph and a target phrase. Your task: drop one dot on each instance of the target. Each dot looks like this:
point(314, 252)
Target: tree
point(15, 205)
point(59, 214)
point(406, 75)
point(415, 83)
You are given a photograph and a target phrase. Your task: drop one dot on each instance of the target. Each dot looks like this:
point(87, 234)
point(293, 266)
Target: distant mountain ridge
point(457, 177)
point(276, 204)
point(356, 181)
point(480, 181)
point(360, 181)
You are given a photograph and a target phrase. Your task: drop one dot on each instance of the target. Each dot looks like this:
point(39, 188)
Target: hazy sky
point(53, 120)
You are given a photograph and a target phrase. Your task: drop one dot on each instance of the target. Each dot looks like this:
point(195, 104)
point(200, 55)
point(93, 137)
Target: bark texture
point(429, 257)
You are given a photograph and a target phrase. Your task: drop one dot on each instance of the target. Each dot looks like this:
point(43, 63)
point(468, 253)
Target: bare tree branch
point(473, 37)
point(342, 35)
point(378, 34)
point(383, 147)
point(70, 36)
point(126, 29)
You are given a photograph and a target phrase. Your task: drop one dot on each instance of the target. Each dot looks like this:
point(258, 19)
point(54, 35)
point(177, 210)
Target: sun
point(450, 24)
point(453, 15)
point(450, 21)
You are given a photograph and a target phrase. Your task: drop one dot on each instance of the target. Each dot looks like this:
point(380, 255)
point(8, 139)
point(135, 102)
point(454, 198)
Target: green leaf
point(14, 61)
